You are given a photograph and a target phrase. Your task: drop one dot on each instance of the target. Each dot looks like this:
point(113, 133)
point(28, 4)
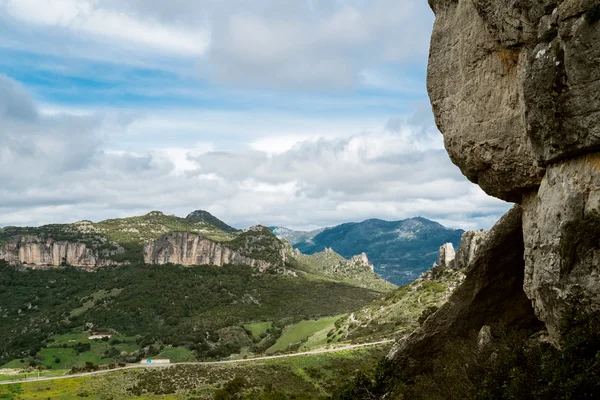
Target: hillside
point(357, 271)
point(399, 250)
point(123, 239)
point(293, 236)
point(201, 310)
point(204, 292)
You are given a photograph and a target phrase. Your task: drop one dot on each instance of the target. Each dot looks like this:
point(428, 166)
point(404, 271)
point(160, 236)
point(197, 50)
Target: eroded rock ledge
point(515, 90)
point(37, 252)
point(514, 87)
point(185, 248)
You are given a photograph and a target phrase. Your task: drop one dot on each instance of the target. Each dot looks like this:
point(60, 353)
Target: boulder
point(515, 89)
point(515, 86)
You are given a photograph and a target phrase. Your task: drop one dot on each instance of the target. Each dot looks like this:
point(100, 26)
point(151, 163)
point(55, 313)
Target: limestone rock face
point(492, 292)
point(515, 89)
point(476, 89)
point(469, 243)
point(514, 86)
point(561, 224)
point(446, 256)
point(189, 249)
point(37, 252)
point(361, 260)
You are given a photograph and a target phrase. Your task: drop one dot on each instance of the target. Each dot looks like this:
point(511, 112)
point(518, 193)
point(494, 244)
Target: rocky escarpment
point(446, 256)
point(514, 88)
point(491, 293)
point(255, 247)
point(362, 261)
point(35, 251)
point(464, 256)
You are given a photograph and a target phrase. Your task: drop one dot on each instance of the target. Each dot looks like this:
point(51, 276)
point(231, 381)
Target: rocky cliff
point(256, 247)
point(514, 88)
point(35, 251)
point(189, 249)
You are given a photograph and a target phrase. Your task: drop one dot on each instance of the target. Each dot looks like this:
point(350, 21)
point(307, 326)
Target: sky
point(295, 113)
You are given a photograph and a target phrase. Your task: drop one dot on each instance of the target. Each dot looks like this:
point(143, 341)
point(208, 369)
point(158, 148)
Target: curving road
point(136, 366)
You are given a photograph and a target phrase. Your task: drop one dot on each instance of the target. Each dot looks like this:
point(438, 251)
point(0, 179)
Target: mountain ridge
point(400, 250)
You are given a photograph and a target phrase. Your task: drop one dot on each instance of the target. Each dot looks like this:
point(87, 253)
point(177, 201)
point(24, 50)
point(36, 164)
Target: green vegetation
point(306, 377)
point(294, 336)
point(258, 329)
point(207, 218)
point(177, 354)
point(259, 243)
point(401, 311)
point(514, 365)
point(123, 239)
point(330, 264)
point(201, 309)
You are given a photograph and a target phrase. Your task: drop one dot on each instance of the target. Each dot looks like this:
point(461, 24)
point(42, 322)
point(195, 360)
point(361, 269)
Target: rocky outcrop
point(446, 256)
point(492, 292)
point(469, 244)
point(464, 256)
point(515, 88)
point(34, 251)
point(562, 242)
point(361, 261)
point(189, 249)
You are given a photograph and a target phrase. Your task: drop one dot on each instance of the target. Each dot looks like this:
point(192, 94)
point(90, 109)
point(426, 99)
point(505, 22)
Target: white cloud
point(299, 44)
point(87, 17)
point(55, 168)
point(307, 47)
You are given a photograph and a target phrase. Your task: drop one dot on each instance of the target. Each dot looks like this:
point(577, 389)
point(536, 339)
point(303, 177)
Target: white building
point(155, 361)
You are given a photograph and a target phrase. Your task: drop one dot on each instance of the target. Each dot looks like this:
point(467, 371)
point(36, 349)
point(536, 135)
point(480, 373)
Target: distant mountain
point(399, 250)
point(294, 237)
point(208, 218)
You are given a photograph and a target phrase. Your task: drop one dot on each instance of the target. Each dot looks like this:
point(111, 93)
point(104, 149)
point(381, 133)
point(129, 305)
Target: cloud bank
point(58, 168)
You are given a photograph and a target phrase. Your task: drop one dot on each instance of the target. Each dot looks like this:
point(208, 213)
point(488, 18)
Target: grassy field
point(61, 351)
point(302, 332)
point(306, 377)
point(23, 375)
point(258, 328)
point(177, 354)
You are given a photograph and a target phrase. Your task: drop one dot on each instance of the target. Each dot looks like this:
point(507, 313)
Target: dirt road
point(135, 366)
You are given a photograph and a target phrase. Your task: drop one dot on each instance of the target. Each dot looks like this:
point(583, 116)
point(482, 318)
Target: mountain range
point(91, 295)
point(399, 250)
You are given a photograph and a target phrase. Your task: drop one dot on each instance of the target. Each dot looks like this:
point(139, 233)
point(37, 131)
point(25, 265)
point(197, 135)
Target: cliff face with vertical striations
point(34, 251)
point(189, 249)
point(255, 247)
point(514, 87)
